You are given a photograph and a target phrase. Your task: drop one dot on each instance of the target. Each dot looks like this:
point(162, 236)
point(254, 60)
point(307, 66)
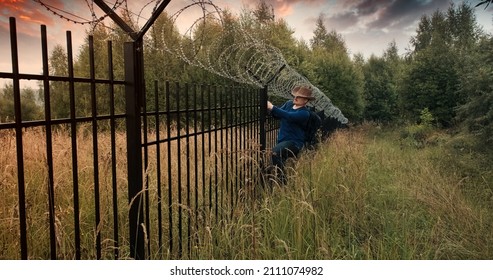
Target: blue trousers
point(280, 153)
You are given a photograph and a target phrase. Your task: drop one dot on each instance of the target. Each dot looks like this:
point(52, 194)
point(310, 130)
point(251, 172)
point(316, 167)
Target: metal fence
point(202, 156)
point(138, 176)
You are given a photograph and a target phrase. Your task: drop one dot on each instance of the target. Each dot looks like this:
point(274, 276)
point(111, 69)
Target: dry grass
point(361, 195)
point(196, 173)
point(36, 178)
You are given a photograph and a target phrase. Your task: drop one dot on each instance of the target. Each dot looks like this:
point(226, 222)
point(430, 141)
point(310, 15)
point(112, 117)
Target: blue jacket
point(293, 123)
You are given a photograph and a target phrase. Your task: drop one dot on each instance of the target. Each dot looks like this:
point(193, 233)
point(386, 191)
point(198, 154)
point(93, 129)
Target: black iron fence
point(201, 156)
point(138, 175)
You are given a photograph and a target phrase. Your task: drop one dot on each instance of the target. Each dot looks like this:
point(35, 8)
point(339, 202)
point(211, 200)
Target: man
point(291, 137)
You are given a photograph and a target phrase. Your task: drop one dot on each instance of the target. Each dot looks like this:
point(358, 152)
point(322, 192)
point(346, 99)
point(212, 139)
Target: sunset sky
point(367, 26)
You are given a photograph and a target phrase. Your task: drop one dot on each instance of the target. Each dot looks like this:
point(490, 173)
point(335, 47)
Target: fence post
point(263, 118)
point(134, 86)
point(263, 113)
point(263, 132)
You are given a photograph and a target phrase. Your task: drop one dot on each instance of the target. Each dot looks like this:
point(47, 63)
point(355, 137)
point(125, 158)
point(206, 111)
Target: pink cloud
point(284, 8)
point(29, 15)
point(26, 10)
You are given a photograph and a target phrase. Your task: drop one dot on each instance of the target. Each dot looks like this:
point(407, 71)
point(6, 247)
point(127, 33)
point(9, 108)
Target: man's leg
point(280, 153)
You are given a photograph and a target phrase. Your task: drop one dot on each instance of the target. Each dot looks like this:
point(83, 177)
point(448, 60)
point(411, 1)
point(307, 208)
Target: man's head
point(302, 95)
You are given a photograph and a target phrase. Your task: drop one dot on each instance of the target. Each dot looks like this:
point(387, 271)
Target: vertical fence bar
point(218, 153)
point(170, 178)
point(202, 124)
point(223, 122)
point(196, 171)
point(21, 186)
point(133, 88)
point(243, 138)
point(49, 144)
point(146, 200)
point(243, 144)
point(232, 149)
point(262, 123)
point(196, 159)
point(158, 169)
point(209, 150)
point(251, 146)
point(236, 149)
point(73, 136)
point(230, 127)
point(214, 107)
point(95, 150)
point(114, 185)
point(187, 152)
point(141, 92)
point(178, 175)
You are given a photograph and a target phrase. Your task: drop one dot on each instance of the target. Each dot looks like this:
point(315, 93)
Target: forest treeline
point(444, 79)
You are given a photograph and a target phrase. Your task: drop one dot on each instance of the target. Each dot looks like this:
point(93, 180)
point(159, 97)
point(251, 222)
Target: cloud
point(28, 10)
point(369, 25)
point(29, 15)
point(342, 21)
point(402, 13)
point(383, 15)
point(25, 11)
point(284, 8)
point(369, 7)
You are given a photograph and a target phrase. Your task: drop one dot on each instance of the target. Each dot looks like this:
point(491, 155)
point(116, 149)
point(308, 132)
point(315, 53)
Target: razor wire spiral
point(235, 54)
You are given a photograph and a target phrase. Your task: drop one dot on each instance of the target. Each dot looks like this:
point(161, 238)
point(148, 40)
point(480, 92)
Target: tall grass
point(365, 193)
point(199, 186)
point(36, 189)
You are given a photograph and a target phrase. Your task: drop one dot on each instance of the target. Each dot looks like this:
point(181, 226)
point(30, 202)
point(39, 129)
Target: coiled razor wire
point(232, 53)
point(237, 55)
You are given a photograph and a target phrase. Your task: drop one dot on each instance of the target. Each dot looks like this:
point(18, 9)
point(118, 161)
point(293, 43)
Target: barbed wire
point(77, 19)
point(237, 54)
point(234, 52)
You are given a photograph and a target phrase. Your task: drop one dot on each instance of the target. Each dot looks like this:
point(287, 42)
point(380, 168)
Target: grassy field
point(372, 194)
point(366, 193)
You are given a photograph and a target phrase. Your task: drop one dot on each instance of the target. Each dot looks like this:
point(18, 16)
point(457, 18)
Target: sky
point(367, 26)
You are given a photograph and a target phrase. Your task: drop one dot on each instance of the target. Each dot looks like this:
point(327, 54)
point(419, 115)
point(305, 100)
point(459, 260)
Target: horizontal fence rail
point(64, 174)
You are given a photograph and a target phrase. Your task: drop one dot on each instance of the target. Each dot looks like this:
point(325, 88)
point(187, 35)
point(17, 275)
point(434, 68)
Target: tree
point(465, 31)
point(209, 40)
point(320, 34)
point(262, 25)
point(264, 13)
point(381, 76)
point(477, 113)
point(339, 78)
point(7, 110)
point(30, 108)
point(160, 64)
point(443, 48)
point(82, 68)
point(100, 36)
point(330, 68)
point(431, 81)
point(327, 41)
point(60, 99)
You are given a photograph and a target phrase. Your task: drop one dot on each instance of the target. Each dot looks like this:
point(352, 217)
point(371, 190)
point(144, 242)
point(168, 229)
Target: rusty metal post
point(133, 92)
